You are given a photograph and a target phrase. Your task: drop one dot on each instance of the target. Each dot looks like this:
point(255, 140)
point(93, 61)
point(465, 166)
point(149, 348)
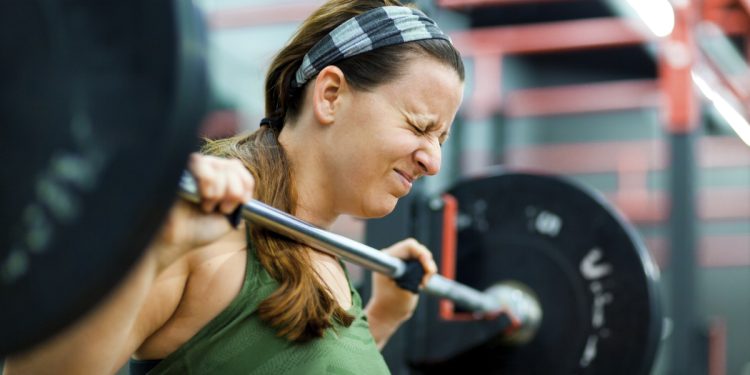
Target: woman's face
point(387, 138)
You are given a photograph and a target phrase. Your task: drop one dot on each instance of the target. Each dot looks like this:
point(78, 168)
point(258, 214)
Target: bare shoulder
point(189, 295)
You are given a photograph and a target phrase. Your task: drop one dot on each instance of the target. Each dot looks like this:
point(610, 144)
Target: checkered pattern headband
point(380, 27)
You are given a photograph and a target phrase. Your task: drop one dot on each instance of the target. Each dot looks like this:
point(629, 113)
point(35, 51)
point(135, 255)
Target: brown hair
point(302, 308)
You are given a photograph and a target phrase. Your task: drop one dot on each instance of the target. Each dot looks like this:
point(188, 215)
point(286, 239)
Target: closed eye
point(425, 131)
point(418, 129)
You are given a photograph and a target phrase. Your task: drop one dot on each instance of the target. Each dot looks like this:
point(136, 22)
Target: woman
point(358, 105)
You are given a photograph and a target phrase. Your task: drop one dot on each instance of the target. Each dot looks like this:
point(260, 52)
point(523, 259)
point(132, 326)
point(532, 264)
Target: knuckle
point(234, 185)
point(193, 158)
point(238, 195)
point(206, 189)
point(210, 160)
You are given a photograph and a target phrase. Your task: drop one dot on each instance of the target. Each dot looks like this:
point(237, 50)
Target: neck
point(315, 201)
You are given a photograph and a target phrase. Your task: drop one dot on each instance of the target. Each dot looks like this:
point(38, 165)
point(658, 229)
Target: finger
point(430, 270)
point(404, 249)
point(201, 166)
point(248, 185)
point(242, 175)
point(209, 205)
point(428, 264)
point(418, 251)
point(246, 179)
point(208, 188)
point(233, 195)
point(216, 189)
point(412, 249)
point(196, 163)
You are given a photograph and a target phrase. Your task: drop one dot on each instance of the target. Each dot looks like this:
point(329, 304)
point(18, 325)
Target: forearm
point(92, 345)
point(382, 325)
point(391, 305)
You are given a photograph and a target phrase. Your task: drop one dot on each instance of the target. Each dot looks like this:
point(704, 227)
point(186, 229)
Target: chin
point(383, 208)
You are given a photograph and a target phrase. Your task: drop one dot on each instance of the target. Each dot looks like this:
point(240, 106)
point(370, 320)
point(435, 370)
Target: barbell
point(498, 299)
point(100, 105)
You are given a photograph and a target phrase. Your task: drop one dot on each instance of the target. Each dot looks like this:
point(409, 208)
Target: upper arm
point(161, 302)
point(93, 344)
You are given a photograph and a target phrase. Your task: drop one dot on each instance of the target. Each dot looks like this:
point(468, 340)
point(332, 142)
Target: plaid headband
point(379, 27)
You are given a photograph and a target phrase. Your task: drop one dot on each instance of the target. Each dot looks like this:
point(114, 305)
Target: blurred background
point(643, 100)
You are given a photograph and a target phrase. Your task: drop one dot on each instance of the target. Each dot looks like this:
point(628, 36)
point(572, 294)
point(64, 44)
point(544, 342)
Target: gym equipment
point(99, 104)
point(103, 101)
point(560, 243)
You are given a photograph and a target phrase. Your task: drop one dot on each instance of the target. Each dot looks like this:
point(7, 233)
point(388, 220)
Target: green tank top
point(238, 342)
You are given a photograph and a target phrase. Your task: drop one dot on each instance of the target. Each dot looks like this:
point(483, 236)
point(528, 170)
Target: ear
point(327, 92)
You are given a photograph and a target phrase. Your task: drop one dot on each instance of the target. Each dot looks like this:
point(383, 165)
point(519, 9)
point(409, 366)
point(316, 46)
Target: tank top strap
point(258, 282)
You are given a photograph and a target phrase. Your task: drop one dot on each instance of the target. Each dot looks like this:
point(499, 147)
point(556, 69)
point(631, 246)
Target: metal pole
point(678, 59)
point(682, 236)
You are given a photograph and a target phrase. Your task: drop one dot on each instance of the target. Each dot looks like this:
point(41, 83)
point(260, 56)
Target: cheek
point(356, 175)
point(396, 144)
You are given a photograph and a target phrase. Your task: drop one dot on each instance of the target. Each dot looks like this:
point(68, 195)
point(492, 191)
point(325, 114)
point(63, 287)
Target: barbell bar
point(523, 309)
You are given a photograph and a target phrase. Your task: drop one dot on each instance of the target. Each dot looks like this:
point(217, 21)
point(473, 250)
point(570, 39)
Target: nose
point(428, 158)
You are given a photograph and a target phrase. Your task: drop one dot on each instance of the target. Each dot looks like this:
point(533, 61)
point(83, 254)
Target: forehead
point(428, 90)
point(429, 77)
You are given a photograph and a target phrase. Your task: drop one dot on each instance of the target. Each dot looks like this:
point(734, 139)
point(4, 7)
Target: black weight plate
point(594, 279)
point(99, 104)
